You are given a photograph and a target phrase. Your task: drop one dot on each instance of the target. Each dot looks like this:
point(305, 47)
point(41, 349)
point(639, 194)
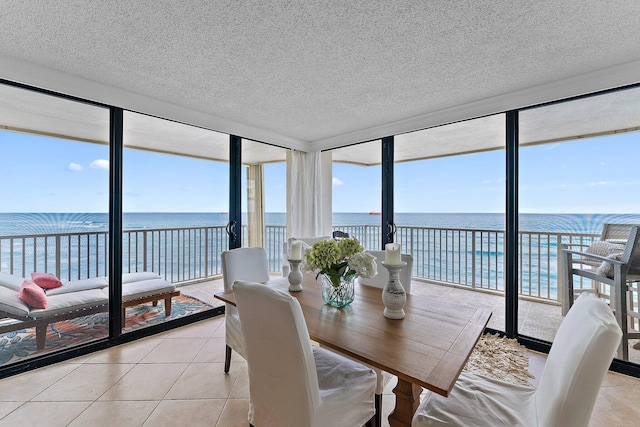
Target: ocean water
point(452, 250)
point(52, 223)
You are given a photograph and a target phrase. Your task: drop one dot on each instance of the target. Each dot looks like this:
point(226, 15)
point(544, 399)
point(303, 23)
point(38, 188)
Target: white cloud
point(74, 167)
point(335, 181)
point(100, 164)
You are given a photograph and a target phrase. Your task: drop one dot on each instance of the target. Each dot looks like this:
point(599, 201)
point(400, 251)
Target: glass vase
point(337, 291)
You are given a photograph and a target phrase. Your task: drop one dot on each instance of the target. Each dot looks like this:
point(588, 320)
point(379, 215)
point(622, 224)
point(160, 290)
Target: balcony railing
point(471, 258)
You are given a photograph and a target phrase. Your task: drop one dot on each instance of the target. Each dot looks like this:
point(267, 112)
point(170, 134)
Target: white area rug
point(501, 358)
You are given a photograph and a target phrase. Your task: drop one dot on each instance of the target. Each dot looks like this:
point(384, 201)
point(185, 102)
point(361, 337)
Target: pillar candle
point(296, 250)
point(392, 253)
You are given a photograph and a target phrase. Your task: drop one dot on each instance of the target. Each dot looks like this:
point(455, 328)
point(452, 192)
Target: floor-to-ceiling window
point(264, 199)
point(175, 209)
point(577, 173)
point(357, 192)
point(54, 187)
point(449, 204)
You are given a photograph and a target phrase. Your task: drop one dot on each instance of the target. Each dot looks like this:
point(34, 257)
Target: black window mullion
point(511, 226)
point(234, 227)
point(388, 226)
point(115, 221)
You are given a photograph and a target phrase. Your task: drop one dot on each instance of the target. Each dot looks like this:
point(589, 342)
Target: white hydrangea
point(364, 264)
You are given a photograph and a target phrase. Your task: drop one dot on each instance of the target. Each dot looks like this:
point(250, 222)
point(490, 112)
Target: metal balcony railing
point(471, 258)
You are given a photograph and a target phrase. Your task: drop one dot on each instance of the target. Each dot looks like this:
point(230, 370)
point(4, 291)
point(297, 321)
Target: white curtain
point(255, 205)
point(309, 198)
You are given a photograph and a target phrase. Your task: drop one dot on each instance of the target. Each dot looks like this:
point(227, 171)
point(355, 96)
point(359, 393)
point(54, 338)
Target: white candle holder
point(295, 275)
point(393, 295)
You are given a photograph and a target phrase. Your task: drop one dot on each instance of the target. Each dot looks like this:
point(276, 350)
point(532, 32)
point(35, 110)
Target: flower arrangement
point(345, 259)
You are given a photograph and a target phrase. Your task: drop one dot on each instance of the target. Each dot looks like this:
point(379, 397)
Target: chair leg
point(378, 417)
point(41, 334)
point(227, 360)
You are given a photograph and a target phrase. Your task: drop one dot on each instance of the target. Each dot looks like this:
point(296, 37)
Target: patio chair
point(611, 241)
point(240, 264)
point(379, 281)
point(339, 234)
point(292, 383)
point(578, 361)
point(616, 270)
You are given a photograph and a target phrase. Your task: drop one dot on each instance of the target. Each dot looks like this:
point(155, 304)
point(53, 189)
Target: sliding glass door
point(264, 195)
point(357, 192)
point(449, 203)
point(175, 209)
point(54, 187)
point(577, 174)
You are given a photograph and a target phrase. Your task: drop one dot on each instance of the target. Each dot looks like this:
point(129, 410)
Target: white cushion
point(139, 276)
point(345, 389)
point(11, 281)
point(478, 401)
point(10, 303)
point(79, 285)
point(605, 269)
point(145, 288)
point(578, 361)
point(71, 301)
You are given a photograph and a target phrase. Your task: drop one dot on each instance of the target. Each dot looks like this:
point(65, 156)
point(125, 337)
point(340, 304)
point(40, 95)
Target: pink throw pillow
point(32, 295)
point(46, 280)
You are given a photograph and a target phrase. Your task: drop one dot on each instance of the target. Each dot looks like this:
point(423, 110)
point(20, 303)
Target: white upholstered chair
point(240, 264)
point(379, 281)
point(292, 383)
point(578, 361)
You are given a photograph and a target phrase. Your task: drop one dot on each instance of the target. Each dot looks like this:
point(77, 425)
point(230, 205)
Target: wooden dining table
point(426, 349)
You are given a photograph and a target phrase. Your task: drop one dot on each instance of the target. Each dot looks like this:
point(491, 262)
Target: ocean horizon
point(440, 252)
point(53, 223)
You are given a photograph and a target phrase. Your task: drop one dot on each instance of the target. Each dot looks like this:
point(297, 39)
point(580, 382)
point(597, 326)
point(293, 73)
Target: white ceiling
point(320, 74)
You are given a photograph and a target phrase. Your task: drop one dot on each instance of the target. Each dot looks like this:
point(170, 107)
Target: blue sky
point(597, 175)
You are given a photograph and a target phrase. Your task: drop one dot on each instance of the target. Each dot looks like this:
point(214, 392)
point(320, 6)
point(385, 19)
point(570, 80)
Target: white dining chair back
point(291, 383)
point(580, 355)
point(248, 264)
point(381, 279)
point(240, 264)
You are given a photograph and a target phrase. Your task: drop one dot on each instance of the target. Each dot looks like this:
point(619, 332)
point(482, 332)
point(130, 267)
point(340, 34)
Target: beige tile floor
point(176, 378)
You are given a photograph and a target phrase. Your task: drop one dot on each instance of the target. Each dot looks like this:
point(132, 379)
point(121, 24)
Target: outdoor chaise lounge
point(78, 298)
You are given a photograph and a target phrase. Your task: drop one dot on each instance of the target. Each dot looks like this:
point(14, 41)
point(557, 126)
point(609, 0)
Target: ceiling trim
point(47, 78)
point(596, 81)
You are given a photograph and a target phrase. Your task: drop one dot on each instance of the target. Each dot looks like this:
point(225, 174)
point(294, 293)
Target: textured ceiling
point(321, 72)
